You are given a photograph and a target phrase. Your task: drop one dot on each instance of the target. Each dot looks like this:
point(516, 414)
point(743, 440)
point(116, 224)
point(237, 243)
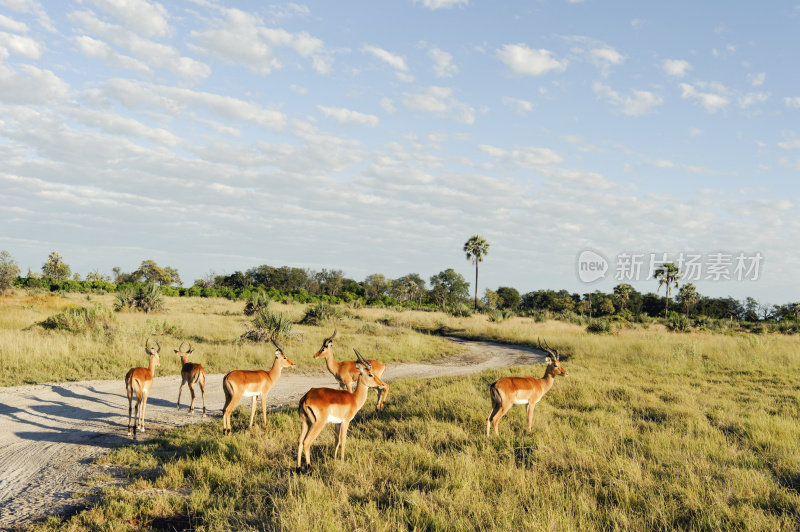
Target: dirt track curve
point(50, 434)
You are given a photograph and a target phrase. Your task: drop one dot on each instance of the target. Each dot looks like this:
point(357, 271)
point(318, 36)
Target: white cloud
point(792, 101)
point(715, 98)
point(757, 79)
point(525, 157)
point(31, 86)
point(119, 125)
point(441, 4)
point(242, 38)
point(752, 98)
point(348, 116)
point(13, 25)
point(443, 66)
point(529, 62)
point(440, 101)
point(388, 105)
point(146, 18)
point(395, 61)
point(33, 7)
point(174, 100)
point(676, 67)
point(639, 103)
point(518, 105)
point(153, 53)
point(24, 46)
point(790, 142)
point(606, 56)
point(101, 50)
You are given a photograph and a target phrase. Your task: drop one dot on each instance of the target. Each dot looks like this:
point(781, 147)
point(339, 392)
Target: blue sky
point(379, 136)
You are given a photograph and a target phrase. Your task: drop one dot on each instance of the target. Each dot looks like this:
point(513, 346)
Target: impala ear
point(549, 359)
point(359, 367)
point(277, 353)
point(176, 351)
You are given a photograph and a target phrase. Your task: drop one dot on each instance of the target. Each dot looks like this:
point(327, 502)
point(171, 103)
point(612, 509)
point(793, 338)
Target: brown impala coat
point(191, 373)
point(251, 383)
point(325, 405)
point(346, 373)
point(510, 391)
point(138, 381)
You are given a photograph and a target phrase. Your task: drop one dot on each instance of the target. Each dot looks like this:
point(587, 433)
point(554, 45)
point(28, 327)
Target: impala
point(346, 373)
point(251, 383)
point(510, 391)
point(326, 405)
point(138, 381)
point(191, 374)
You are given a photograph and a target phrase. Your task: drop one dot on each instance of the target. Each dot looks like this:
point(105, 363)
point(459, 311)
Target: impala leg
point(313, 432)
point(303, 432)
point(203, 391)
point(495, 409)
point(144, 408)
point(529, 410)
point(503, 410)
point(337, 433)
point(180, 391)
point(264, 409)
point(252, 411)
point(383, 392)
point(343, 437)
point(191, 392)
point(129, 392)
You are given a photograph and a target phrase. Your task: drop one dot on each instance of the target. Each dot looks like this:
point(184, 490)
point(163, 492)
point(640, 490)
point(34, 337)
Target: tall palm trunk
point(476, 285)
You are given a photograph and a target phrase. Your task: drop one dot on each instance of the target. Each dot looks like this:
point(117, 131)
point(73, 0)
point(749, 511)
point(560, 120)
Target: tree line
point(446, 290)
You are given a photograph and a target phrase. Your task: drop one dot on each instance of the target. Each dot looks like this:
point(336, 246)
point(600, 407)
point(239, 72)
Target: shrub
point(498, 315)
point(320, 314)
point(98, 318)
point(259, 300)
point(460, 310)
point(146, 297)
point(599, 327)
point(679, 323)
point(268, 325)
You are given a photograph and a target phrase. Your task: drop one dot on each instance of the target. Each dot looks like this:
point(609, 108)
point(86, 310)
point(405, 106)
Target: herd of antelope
point(320, 406)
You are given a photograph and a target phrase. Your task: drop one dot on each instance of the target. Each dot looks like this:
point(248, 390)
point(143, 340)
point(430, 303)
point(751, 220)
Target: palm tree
point(475, 248)
point(687, 296)
point(668, 274)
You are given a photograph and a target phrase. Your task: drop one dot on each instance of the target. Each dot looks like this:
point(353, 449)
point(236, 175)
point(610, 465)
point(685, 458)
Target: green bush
point(679, 323)
point(266, 325)
point(460, 310)
point(599, 327)
point(320, 313)
point(259, 300)
point(147, 297)
point(98, 318)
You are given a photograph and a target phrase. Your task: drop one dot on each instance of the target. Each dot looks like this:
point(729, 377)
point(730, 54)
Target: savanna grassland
point(651, 430)
point(33, 354)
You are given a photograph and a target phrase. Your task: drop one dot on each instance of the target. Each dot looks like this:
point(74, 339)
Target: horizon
point(379, 138)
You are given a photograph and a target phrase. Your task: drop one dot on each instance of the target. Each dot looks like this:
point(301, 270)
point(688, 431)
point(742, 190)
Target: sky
point(379, 136)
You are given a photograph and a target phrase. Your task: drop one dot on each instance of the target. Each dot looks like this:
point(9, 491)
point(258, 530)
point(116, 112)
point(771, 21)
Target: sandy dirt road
point(50, 434)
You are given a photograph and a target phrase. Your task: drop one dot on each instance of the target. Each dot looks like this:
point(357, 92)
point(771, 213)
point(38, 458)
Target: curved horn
point(276, 345)
point(147, 343)
point(552, 351)
point(180, 348)
point(330, 338)
point(159, 345)
point(362, 359)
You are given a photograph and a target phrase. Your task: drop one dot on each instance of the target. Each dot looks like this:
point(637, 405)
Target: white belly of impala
point(332, 419)
point(251, 394)
point(521, 402)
